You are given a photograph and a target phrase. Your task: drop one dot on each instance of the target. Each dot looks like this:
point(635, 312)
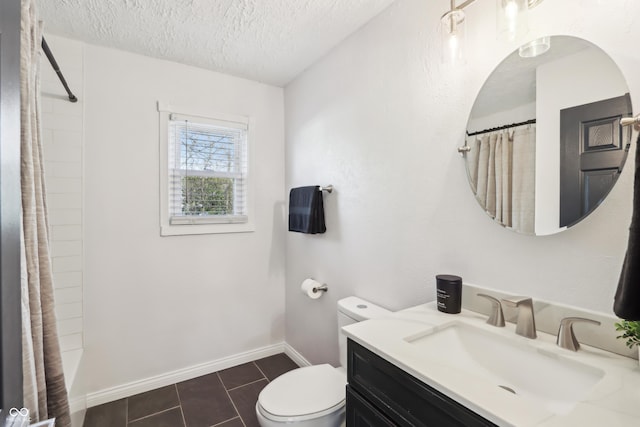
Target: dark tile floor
point(222, 399)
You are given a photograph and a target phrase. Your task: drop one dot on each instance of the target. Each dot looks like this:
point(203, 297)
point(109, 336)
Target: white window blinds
point(208, 180)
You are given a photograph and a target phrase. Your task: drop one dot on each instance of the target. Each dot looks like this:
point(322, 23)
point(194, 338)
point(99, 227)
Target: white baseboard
point(295, 356)
point(162, 380)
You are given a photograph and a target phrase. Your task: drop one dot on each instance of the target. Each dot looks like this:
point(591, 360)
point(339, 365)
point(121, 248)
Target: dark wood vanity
point(381, 394)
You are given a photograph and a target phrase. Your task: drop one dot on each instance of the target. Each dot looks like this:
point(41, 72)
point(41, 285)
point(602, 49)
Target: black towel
point(627, 299)
point(306, 210)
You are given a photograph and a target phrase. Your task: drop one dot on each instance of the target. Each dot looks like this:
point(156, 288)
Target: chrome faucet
point(526, 323)
point(566, 337)
point(496, 318)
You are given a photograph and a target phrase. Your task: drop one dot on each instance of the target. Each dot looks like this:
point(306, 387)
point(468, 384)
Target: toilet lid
point(304, 391)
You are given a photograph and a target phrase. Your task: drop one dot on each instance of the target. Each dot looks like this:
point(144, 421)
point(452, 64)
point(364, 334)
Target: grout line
point(261, 371)
point(180, 403)
point(226, 421)
point(230, 399)
point(155, 413)
point(264, 377)
point(249, 383)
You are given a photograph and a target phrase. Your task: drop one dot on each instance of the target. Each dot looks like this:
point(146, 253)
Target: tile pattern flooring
point(223, 399)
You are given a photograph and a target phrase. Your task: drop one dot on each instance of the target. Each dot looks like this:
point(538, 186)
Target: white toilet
point(314, 396)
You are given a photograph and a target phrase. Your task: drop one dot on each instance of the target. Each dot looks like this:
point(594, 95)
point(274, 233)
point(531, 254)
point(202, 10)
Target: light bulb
point(511, 10)
point(453, 36)
point(453, 43)
point(512, 18)
point(511, 13)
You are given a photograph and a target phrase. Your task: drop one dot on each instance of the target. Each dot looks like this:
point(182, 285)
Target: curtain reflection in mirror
point(501, 168)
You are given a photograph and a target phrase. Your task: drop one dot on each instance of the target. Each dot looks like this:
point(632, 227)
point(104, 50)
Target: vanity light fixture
point(453, 33)
point(511, 21)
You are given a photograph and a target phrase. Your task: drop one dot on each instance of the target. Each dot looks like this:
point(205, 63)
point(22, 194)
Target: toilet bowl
point(310, 396)
point(314, 396)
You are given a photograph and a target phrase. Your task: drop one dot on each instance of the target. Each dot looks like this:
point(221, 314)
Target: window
point(205, 184)
point(207, 171)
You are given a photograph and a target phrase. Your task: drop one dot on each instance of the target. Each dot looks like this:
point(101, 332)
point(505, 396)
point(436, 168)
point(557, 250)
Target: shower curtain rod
point(513, 125)
point(56, 68)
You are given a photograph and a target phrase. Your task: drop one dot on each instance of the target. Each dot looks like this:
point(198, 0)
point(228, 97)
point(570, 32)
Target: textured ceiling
point(271, 41)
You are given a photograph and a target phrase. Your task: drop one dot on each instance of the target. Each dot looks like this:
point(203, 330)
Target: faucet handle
point(566, 337)
point(497, 317)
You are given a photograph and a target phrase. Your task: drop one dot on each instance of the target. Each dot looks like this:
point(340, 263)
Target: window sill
point(192, 229)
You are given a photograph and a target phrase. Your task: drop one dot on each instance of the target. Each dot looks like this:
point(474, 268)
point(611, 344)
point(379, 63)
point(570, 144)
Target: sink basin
point(543, 377)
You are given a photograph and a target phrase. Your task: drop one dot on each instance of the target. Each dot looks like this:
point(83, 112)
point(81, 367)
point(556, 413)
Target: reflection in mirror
point(544, 142)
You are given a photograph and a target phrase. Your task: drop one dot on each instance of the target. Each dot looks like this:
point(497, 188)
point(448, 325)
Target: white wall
point(155, 305)
point(380, 118)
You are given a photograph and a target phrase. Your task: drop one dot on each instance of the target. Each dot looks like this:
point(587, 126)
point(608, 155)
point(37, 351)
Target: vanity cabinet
point(381, 394)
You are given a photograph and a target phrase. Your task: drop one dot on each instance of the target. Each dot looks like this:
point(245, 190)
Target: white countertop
point(613, 402)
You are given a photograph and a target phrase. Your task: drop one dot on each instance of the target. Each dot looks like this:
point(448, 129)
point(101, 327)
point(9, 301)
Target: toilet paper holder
point(321, 288)
point(313, 289)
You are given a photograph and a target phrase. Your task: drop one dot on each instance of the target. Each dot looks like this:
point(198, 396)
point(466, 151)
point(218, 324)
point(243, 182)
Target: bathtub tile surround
point(225, 398)
point(62, 131)
point(63, 138)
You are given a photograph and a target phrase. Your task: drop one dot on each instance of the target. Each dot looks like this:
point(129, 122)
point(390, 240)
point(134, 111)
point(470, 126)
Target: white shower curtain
point(45, 393)
point(501, 167)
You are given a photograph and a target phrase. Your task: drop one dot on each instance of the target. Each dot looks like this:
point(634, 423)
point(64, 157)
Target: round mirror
point(544, 145)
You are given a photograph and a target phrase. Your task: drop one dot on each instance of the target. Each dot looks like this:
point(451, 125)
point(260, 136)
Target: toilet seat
point(303, 393)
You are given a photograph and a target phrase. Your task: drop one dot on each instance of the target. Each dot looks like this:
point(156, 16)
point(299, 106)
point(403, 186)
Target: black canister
point(449, 293)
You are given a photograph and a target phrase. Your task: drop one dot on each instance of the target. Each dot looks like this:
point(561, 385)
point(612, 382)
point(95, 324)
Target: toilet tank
point(352, 310)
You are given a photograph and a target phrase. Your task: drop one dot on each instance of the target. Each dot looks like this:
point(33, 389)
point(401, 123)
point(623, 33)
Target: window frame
point(189, 226)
